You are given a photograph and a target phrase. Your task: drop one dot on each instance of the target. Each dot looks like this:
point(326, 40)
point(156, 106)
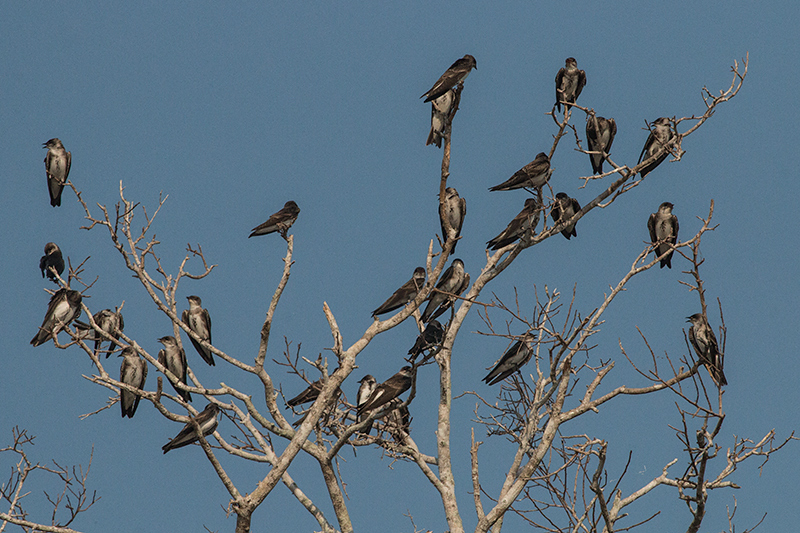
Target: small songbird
point(514, 359)
point(451, 215)
point(656, 145)
point(524, 223)
point(534, 174)
point(705, 345)
point(429, 340)
point(365, 390)
point(56, 164)
point(206, 419)
point(280, 221)
point(173, 357)
point(309, 394)
point(199, 321)
point(563, 209)
point(404, 294)
point(52, 259)
point(457, 72)
point(398, 422)
point(64, 306)
point(454, 281)
point(112, 323)
point(440, 114)
point(569, 83)
point(663, 227)
point(388, 390)
point(133, 372)
point(599, 138)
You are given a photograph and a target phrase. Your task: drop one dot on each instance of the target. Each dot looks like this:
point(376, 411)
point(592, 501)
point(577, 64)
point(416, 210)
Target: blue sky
point(232, 110)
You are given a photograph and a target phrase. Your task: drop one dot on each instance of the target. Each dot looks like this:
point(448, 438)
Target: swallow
point(440, 114)
point(64, 306)
point(599, 138)
point(404, 294)
point(563, 209)
point(206, 419)
point(663, 228)
point(310, 394)
point(514, 359)
point(429, 340)
point(110, 322)
point(570, 81)
point(199, 321)
point(451, 215)
point(705, 345)
point(398, 422)
point(56, 164)
point(388, 390)
point(280, 221)
point(656, 145)
point(453, 282)
point(51, 260)
point(454, 75)
point(534, 174)
point(365, 390)
point(523, 224)
point(173, 358)
point(133, 372)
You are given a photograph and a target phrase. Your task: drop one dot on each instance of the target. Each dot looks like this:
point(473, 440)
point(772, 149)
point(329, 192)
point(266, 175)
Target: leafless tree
point(71, 498)
point(555, 481)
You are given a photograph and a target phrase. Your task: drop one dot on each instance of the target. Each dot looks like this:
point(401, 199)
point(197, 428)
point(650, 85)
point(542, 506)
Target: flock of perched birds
point(373, 398)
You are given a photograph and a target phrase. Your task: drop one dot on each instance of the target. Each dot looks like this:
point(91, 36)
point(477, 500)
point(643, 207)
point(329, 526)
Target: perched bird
point(427, 341)
point(64, 306)
point(440, 113)
point(563, 209)
point(398, 422)
point(199, 321)
point(656, 145)
point(569, 83)
point(516, 356)
point(365, 390)
point(206, 419)
point(663, 228)
point(112, 323)
point(705, 345)
point(56, 165)
point(404, 294)
point(453, 282)
point(280, 221)
point(451, 215)
point(173, 357)
point(388, 390)
point(133, 372)
point(457, 72)
point(52, 259)
point(534, 174)
point(310, 394)
point(524, 223)
point(599, 138)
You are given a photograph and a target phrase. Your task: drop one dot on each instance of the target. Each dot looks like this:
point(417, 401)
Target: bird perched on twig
point(705, 345)
point(570, 81)
point(457, 73)
point(57, 163)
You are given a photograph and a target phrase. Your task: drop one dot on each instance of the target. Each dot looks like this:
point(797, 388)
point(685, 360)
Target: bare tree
point(556, 481)
point(71, 498)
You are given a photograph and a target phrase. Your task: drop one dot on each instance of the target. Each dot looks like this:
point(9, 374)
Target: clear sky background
point(232, 110)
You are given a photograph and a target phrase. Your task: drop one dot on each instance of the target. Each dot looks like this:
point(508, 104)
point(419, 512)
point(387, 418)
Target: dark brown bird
point(570, 81)
point(457, 72)
point(280, 221)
